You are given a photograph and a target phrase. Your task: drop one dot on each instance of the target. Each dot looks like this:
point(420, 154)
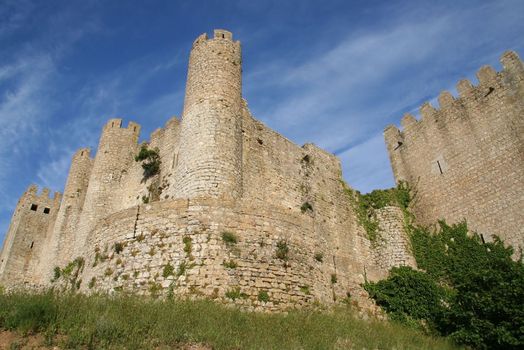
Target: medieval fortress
point(237, 212)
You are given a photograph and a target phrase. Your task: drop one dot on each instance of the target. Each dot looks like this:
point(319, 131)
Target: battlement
point(116, 123)
point(469, 95)
point(45, 194)
point(467, 152)
point(218, 34)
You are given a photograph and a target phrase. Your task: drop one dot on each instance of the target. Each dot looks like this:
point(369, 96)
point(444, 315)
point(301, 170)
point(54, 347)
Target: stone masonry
point(465, 160)
point(236, 212)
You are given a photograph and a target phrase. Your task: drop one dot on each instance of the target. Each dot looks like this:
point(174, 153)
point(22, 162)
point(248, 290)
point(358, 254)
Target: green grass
point(132, 322)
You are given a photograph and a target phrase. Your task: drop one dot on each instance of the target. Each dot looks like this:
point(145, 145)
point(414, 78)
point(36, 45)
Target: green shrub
point(181, 268)
point(282, 250)
point(150, 159)
point(229, 238)
point(305, 289)
point(92, 283)
point(408, 295)
point(471, 291)
point(263, 296)
point(333, 278)
point(306, 206)
point(187, 244)
point(119, 247)
point(235, 293)
point(231, 264)
point(56, 274)
point(168, 270)
point(366, 204)
point(319, 257)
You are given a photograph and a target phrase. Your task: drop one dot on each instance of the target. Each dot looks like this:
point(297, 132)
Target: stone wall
point(129, 251)
point(465, 160)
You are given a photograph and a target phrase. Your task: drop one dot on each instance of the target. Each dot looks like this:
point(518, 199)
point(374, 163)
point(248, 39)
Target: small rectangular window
point(47, 210)
point(32, 244)
point(34, 207)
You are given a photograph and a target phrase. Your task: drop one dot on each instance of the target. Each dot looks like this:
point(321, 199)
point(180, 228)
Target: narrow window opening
point(134, 128)
point(223, 36)
point(260, 142)
point(491, 89)
point(82, 153)
point(47, 210)
point(439, 167)
point(32, 244)
point(34, 207)
point(112, 124)
point(482, 238)
point(398, 145)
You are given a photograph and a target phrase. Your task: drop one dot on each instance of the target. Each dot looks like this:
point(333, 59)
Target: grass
point(131, 322)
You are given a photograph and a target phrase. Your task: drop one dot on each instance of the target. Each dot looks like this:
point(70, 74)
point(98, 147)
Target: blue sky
point(330, 72)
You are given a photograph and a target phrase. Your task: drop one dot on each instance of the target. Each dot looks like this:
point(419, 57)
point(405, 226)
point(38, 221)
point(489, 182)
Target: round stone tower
point(210, 154)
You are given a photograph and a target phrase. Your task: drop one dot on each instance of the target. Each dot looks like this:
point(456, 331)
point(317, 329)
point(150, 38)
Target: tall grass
point(131, 322)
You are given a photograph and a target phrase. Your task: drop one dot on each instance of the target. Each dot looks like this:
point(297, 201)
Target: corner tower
point(210, 162)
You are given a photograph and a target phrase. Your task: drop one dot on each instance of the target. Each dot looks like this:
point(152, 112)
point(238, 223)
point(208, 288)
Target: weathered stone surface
point(466, 159)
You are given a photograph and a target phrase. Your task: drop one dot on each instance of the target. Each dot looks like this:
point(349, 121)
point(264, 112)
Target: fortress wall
point(31, 225)
point(210, 157)
point(466, 159)
point(392, 247)
point(107, 183)
point(155, 237)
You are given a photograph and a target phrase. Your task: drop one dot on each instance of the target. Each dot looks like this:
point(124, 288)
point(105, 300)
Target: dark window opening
point(32, 244)
point(34, 207)
point(223, 36)
point(439, 167)
point(398, 145)
point(112, 124)
point(82, 153)
point(491, 89)
point(47, 210)
point(260, 141)
point(134, 129)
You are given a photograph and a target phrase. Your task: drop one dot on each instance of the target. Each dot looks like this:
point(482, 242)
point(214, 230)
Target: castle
point(236, 212)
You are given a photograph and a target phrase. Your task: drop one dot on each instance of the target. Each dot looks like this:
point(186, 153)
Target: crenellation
point(445, 100)
point(468, 153)
point(486, 75)
point(408, 120)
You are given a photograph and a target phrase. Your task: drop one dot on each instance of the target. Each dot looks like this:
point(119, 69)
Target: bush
point(150, 159)
point(229, 238)
point(263, 296)
point(282, 250)
point(306, 206)
point(408, 294)
point(119, 247)
point(471, 291)
point(168, 270)
point(319, 257)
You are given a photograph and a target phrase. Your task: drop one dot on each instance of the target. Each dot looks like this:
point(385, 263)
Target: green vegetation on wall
point(469, 290)
point(366, 204)
point(150, 159)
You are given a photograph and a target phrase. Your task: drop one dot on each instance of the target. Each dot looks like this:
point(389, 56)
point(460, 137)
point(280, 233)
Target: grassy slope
point(138, 323)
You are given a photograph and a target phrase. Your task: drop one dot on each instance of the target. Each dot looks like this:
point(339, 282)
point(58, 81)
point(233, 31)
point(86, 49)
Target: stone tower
point(116, 151)
point(210, 154)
